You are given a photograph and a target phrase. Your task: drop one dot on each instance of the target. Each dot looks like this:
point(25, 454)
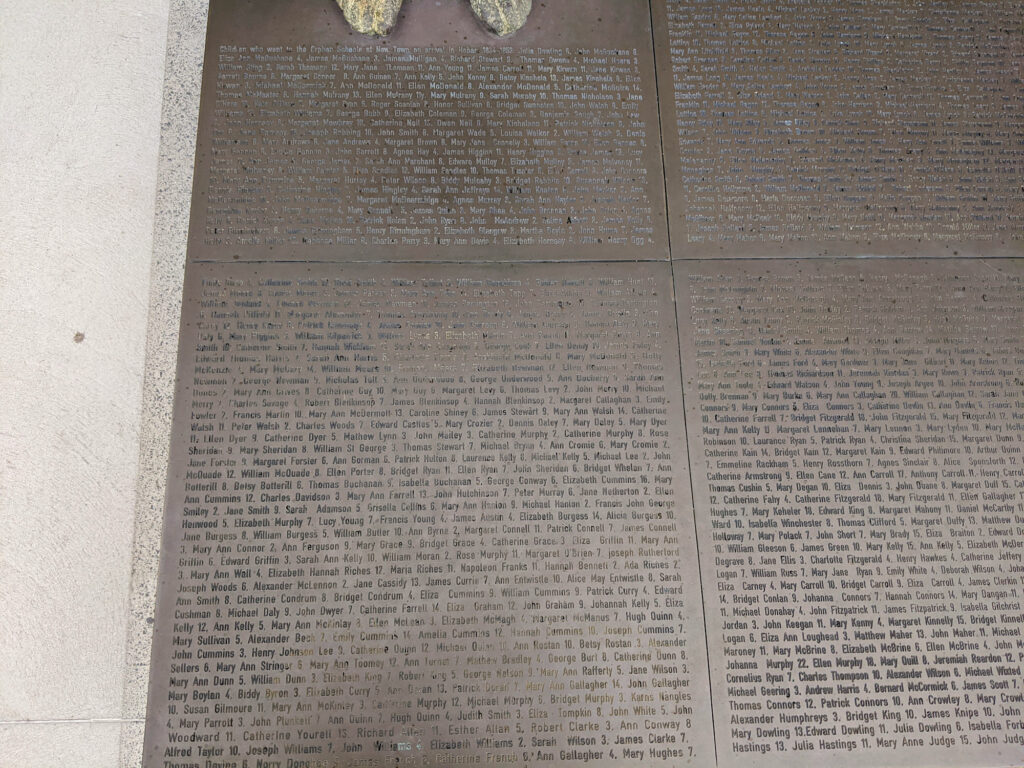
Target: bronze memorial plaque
point(843, 127)
point(440, 142)
point(857, 430)
point(467, 471)
point(429, 515)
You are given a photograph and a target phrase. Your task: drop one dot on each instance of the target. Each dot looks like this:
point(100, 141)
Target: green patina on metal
point(378, 17)
point(371, 17)
point(503, 17)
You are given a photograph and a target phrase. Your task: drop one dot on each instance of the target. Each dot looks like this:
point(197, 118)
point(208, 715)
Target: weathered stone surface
point(503, 17)
point(371, 17)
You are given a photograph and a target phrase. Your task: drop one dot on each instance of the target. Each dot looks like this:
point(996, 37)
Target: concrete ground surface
point(95, 173)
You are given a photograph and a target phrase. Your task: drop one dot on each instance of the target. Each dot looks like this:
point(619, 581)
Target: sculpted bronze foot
point(378, 17)
point(503, 17)
point(371, 17)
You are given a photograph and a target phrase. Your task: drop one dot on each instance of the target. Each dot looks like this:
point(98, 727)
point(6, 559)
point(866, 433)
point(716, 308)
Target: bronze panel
point(857, 429)
point(888, 128)
point(440, 143)
point(429, 515)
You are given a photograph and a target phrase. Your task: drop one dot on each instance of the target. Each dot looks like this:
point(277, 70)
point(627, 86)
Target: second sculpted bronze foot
point(503, 17)
point(378, 17)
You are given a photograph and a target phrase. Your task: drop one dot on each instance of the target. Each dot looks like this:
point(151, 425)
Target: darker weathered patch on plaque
point(838, 128)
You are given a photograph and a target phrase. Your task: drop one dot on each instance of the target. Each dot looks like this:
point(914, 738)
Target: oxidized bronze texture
point(378, 17)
